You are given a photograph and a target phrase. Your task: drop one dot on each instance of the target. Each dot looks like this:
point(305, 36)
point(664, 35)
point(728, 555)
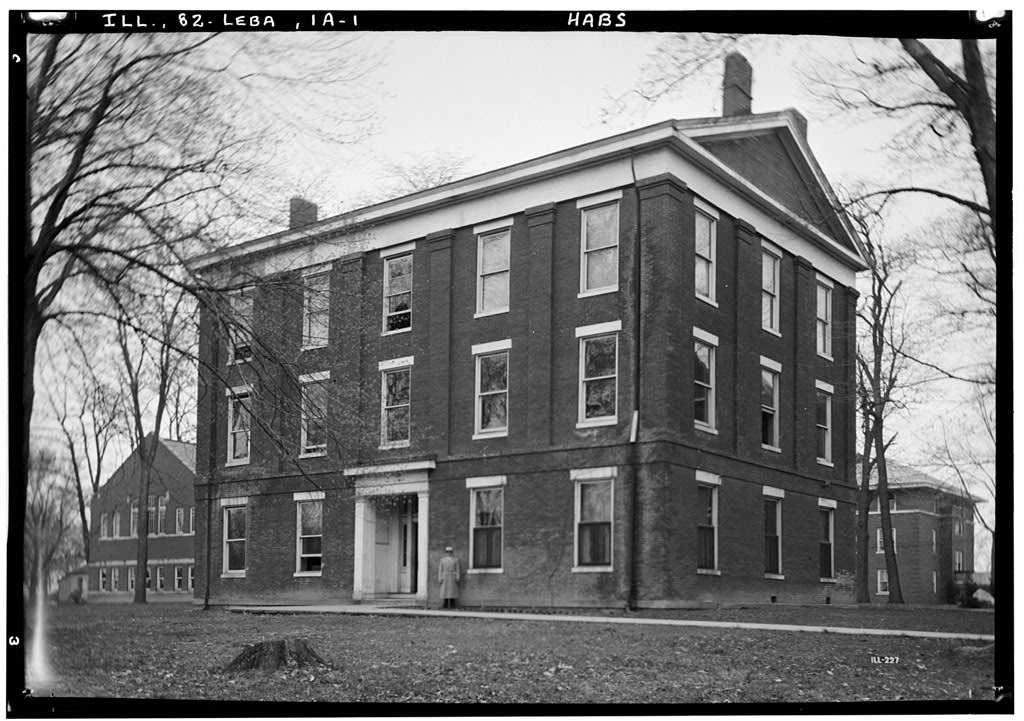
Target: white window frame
point(770, 251)
point(310, 379)
point(227, 505)
point(485, 483)
point(935, 542)
point(239, 328)
point(879, 547)
point(584, 334)
point(115, 578)
point(191, 576)
point(582, 477)
point(703, 209)
point(829, 391)
point(826, 322)
point(191, 519)
point(236, 394)
point(309, 311)
point(179, 578)
point(179, 520)
point(778, 495)
point(161, 516)
point(479, 351)
point(958, 562)
point(713, 482)
point(104, 525)
point(159, 579)
point(879, 575)
point(395, 365)
point(935, 582)
point(584, 205)
point(133, 519)
point(828, 504)
point(115, 525)
point(711, 342)
point(299, 499)
point(500, 227)
point(393, 255)
point(103, 579)
point(767, 364)
point(131, 578)
point(958, 527)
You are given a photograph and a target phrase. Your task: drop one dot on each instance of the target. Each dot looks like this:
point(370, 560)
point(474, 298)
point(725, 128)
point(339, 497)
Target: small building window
point(149, 578)
point(883, 582)
point(770, 264)
point(313, 425)
point(486, 506)
point(598, 376)
point(240, 325)
point(151, 516)
point(824, 319)
point(493, 263)
point(826, 531)
point(398, 293)
point(104, 525)
point(599, 263)
point(704, 346)
point(396, 402)
point(707, 527)
point(179, 578)
point(935, 582)
point(935, 541)
point(131, 578)
point(234, 541)
point(316, 305)
point(103, 580)
point(179, 520)
point(491, 407)
point(161, 516)
point(770, 407)
point(133, 520)
point(823, 422)
point(704, 260)
point(958, 528)
point(191, 578)
point(958, 561)
point(773, 536)
point(594, 523)
point(879, 546)
point(309, 540)
point(115, 579)
point(239, 426)
point(191, 519)
point(116, 530)
point(160, 578)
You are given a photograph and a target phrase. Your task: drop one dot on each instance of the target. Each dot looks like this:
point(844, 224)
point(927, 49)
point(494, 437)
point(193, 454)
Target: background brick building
point(617, 374)
point(933, 524)
point(114, 535)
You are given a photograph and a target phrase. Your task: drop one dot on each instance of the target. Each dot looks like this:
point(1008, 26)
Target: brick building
point(617, 374)
point(933, 533)
point(114, 527)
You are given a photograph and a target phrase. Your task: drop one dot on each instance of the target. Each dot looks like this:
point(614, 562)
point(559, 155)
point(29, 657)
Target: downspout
point(211, 459)
point(634, 431)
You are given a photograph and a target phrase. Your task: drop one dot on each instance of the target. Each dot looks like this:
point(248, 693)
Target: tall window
point(958, 528)
point(493, 262)
point(935, 541)
point(179, 520)
point(131, 578)
point(191, 519)
point(313, 426)
point(879, 545)
point(240, 329)
point(133, 520)
point(191, 578)
point(309, 537)
point(161, 515)
point(115, 579)
point(594, 523)
point(707, 527)
point(770, 404)
point(160, 578)
point(770, 291)
point(395, 394)
point(151, 516)
point(316, 304)
point(704, 379)
point(823, 421)
point(599, 269)
point(491, 408)
point(826, 530)
point(149, 577)
point(598, 374)
point(824, 319)
point(935, 582)
point(239, 425)
point(234, 540)
point(103, 580)
point(179, 578)
point(398, 293)
point(486, 508)
point(116, 530)
point(958, 561)
point(704, 258)
point(104, 525)
point(773, 536)
point(883, 582)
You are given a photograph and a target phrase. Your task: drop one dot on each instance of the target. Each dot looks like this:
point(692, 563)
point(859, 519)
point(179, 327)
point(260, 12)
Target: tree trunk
point(272, 655)
point(33, 328)
point(142, 543)
point(863, 507)
point(981, 120)
point(83, 513)
point(895, 592)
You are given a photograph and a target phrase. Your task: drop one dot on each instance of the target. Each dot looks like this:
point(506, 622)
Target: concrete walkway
point(368, 610)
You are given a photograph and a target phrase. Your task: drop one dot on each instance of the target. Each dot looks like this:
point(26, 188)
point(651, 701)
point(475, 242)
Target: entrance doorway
point(396, 544)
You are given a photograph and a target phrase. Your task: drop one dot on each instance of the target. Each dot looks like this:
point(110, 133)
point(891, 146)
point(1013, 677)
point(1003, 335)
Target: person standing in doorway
point(448, 576)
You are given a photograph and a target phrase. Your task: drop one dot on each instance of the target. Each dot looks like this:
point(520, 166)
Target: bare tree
point(50, 516)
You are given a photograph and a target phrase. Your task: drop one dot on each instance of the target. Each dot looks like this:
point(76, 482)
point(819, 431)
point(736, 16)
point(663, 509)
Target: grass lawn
point(174, 651)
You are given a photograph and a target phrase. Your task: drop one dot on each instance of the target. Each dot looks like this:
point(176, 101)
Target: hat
point(448, 549)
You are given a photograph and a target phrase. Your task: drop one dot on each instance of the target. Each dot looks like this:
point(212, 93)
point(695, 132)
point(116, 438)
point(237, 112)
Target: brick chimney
point(301, 213)
point(736, 85)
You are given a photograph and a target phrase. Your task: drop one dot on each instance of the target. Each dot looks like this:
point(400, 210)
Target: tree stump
point(272, 655)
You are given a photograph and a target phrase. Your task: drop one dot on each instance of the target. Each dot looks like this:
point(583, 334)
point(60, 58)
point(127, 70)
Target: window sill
point(597, 423)
point(705, 428)
point(307, 574)
point(829, 358)
point(775, 576)
point(313, 454)
point(827, 580)
point(474, 571)
point(773, 449)
point(485, 313)
point(592, 569)
point(396, 332)
point(240, 462)
point(495, 434)
point(710, 301)
point(232, 574)
point(827, 464)
point(597, 291)
point(774, 332)
point(708, 572)
point(881, 593)
point(305, 347)
point(393, 445)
